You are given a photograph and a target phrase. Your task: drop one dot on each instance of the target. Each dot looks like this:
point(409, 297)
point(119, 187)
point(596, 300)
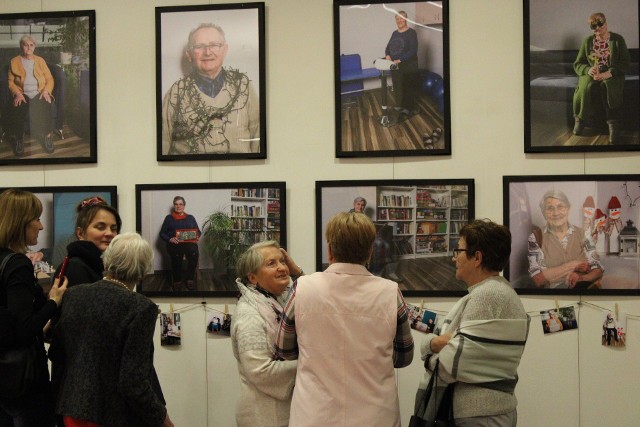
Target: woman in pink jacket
point(348, 329)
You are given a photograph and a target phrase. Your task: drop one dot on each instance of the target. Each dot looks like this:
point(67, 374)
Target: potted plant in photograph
point(221, 242)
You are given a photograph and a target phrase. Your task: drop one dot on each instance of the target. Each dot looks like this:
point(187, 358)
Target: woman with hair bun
point(97, 224)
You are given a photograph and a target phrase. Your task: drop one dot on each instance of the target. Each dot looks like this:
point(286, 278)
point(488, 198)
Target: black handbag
point(19, 367)
point(434, 406)
point(19, 370)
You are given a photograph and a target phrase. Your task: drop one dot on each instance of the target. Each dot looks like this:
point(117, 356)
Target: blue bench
point(352, 75)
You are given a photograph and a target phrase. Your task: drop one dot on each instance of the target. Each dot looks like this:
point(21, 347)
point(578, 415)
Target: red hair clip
point(95, 200)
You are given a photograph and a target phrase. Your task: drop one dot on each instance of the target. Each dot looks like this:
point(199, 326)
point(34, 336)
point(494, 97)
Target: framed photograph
point(198, 231)
point(417, 224)
point(59, 221)
point(391, 78)
point(573, 234)
point(53, 121)
point(210, 82)
point(581, 85)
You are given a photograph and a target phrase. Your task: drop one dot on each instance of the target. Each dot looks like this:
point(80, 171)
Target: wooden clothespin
point(557, 307)
point(171, 309)
point(616, 312)
point(421, 304)
point(226, 309)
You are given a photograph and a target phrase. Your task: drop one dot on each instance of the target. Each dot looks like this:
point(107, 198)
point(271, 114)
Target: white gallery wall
point(566, 379)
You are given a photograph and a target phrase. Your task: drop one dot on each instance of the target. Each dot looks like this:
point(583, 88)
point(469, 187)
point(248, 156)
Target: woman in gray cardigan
point(102, 346)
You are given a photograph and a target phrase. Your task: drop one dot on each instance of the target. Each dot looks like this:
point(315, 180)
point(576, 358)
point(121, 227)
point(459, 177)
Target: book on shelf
point(273, 193)
point(395, 200)
point(246, 210)
point(460, 201)
point(248, 192)
point(389, 214)
point(273, 206)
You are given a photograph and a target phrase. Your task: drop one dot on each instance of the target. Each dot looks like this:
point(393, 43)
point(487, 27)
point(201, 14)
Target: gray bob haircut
point(127, 258)
point(554, 194)
point(251, 260)
point(26, 37)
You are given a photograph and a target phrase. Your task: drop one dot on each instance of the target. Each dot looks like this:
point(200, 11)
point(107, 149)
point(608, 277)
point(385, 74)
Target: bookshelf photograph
point(230, 218)
point(417, 227)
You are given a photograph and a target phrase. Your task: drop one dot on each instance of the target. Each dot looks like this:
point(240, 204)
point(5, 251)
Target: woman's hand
point(294, 270)
point(603, 76)
point(19, 99)
point(572, 279)
point(439, 342)
point(46, 96)
point(58, 291)
point(174, 240)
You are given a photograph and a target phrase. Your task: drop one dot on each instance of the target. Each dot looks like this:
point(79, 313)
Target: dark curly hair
point(493, 240)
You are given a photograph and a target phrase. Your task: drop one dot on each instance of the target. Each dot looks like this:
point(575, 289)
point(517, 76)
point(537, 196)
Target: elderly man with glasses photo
point(214, 109)
point(561, 255)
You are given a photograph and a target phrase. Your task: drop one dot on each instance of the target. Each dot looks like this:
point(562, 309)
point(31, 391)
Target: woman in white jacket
point(266, 382)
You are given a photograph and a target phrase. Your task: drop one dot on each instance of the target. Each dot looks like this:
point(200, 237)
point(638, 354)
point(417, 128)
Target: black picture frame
point(553, 37)
point(232, 123)
point(368, 123)
point(66, 41)
point(245, 212)
point(589, 197)
point(59, 219)
point(417, 223)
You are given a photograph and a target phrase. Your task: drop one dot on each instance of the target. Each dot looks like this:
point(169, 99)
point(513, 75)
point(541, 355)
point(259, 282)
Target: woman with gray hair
point(560, 254)
point(102, 347)
point(31, 86)
point(266, 383)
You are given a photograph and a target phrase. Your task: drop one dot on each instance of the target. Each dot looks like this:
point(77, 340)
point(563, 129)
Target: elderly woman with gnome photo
point(560, 255)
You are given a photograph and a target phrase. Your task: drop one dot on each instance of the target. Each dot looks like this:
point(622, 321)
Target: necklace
point(116, 282)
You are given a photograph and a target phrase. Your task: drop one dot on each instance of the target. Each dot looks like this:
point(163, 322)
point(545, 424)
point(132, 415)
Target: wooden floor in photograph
point(362, 131)
point(428, 274)
point(71, 146)
point(564, 137)
point(552, 126)
point(160, 281)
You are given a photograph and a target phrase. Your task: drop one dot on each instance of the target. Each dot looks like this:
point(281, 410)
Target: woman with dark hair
point(24, 306)
point(103, 344)
point(97, 224)
point(175, 225)
point(483, 336)
point(348, 329)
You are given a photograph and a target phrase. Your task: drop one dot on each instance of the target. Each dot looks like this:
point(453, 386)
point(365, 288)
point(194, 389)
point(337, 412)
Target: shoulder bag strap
point(4, 263)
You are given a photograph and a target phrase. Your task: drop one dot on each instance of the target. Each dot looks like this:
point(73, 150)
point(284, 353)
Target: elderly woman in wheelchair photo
point(31, 86)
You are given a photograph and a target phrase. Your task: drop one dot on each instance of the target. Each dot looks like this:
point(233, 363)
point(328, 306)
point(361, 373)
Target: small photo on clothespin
point(614, 332)
point(559, 319)
point(421, 319)
point(170, 329)
point(219, 323)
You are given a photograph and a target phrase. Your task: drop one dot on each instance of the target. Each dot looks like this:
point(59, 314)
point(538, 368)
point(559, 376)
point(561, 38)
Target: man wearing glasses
point(213, 110)
point(561, 255)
